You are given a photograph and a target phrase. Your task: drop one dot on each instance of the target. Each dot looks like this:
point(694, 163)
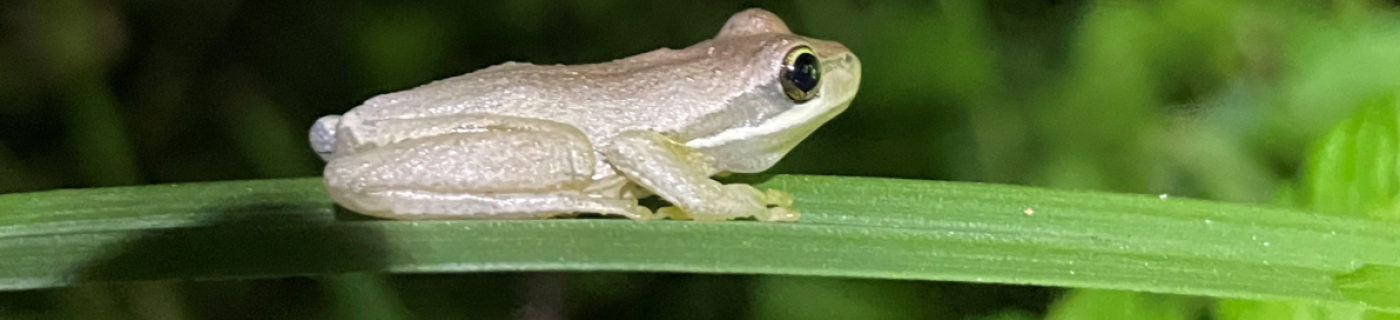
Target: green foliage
point(1352, 170)
point(1102, 304)
point(879, 228)
point(827, 298)
point(1288, 102)
point(1256, 310)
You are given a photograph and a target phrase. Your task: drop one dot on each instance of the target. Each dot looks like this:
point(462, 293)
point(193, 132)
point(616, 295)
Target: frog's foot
point(672, 212)
point(777, 206)
point(681, 175)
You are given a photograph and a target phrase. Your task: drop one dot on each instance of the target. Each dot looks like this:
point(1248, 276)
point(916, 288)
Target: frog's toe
point(777, 198)
point(643, 214)
point(672, 212)
point(676, 213)
point(781, 214)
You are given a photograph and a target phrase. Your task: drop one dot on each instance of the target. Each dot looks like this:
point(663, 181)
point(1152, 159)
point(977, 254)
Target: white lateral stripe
point(791, 118)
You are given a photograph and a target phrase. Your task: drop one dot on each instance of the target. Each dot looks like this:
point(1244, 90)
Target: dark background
point(1196, 98)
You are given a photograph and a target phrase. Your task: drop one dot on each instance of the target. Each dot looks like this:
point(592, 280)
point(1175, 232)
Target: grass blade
point(852, 227)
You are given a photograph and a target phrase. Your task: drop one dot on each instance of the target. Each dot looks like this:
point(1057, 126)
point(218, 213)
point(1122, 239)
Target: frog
point(523, 141)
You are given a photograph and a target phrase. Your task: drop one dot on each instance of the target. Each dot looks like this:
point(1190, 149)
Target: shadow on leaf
point(246, 241)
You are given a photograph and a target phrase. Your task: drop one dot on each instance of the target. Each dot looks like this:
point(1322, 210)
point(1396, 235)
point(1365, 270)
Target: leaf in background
point(1257, 310)
point(1351, 171)
point(1010, 315)
point(829, 298)
point(275, 146)
point(1107, 304)
point(366, 296)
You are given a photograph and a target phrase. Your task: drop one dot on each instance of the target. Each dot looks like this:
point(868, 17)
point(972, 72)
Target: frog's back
point(663, 90)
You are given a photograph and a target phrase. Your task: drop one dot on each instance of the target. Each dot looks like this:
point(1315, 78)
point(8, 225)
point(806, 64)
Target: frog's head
point(799, 83)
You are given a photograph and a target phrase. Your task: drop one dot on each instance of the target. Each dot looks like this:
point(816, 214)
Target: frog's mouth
point(756, 148)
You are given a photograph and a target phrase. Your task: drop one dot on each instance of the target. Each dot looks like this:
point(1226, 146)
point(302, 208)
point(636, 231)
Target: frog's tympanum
point(523, 141)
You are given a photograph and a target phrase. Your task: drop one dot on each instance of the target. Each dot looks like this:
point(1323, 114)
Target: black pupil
point(804, 72)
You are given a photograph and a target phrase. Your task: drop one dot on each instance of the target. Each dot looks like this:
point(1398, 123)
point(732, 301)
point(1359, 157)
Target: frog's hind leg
point(488, 174)
point(422, 205)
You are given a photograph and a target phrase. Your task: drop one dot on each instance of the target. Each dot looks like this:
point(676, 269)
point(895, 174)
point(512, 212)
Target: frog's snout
point(323, 136)
point(842, 74)
point(849, 58)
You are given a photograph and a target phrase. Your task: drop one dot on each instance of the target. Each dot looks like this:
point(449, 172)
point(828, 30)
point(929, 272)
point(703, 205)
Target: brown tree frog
point(523, 141)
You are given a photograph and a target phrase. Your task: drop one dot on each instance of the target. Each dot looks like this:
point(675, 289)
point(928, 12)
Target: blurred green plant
point(1351, 171)
point(1235, 100)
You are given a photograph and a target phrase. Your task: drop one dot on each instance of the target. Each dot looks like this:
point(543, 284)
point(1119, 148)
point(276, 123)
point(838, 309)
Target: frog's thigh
point(473, 175)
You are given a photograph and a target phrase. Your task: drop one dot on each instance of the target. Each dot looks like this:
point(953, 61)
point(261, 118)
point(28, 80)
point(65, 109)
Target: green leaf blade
point(851, 227)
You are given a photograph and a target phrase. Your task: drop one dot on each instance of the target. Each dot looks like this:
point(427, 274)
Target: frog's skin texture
point(523, 141)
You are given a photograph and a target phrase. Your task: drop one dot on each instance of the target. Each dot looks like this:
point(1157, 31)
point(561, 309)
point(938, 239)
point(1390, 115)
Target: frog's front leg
point(474, 167)
point(681, 175)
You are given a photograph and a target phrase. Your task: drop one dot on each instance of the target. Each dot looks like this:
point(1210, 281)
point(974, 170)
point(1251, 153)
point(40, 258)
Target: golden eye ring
point(801, 74)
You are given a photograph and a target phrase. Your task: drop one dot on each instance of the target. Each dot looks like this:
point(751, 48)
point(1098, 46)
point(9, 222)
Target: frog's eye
point(801, 74)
